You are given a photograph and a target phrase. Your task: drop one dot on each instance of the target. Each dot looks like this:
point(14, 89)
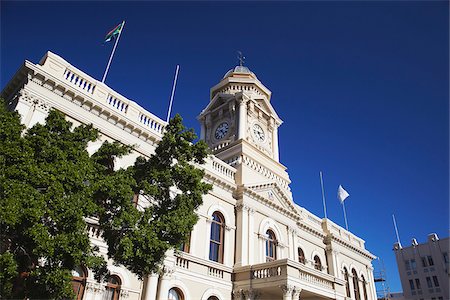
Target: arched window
point(271, 246)
point(301, 256)
point(364, 288)
point(79, 281)
point(112, 288)
point(216, 240)
point(213, 298)
point(347, 283)
point(356, 285)
point(175, 294)
point(317, 263)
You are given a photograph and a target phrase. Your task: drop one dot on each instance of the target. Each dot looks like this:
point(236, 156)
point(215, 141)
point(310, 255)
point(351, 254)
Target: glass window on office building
point(413, 264)
point(424, 262)
point(429, 284)
point(407, 265)
point(430, 261)
point(411, 285)
point(436, 281)
point(445, 255)
point(418, 284)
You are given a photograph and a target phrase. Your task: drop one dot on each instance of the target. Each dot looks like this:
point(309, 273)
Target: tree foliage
point(49, 185)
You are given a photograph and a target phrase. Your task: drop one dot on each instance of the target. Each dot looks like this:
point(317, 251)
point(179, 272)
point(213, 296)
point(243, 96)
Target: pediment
point(268, 108)
point(216, 102)
point(273, 192)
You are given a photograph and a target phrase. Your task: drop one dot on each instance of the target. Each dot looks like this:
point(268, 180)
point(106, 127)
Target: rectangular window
point(424, 262)
point(413, 264)
point(411, 285)
point(436, 281)
point(429, 284)
point(407, 265)
point(440, 298)
point(430, 261)
point(445, 255)
point(418, 284)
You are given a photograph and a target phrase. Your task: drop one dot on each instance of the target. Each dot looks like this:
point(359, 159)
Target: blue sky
point(362, 88)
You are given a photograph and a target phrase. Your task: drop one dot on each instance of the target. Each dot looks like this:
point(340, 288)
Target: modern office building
point(424, 268)
point(252, 241)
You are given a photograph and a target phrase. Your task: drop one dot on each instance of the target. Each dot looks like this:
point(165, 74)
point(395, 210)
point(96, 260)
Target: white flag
point(342, 194)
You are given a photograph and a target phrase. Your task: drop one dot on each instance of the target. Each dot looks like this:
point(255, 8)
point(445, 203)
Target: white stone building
point(424, 268)
point(251, 241)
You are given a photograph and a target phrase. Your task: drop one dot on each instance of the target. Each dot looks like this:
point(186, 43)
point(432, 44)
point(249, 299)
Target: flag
point(112, 34)
point(342, 194)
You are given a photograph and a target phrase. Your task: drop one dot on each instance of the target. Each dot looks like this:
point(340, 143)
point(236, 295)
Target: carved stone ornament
point(124, 294)
point(95, 287)
point(167, 272)
point(287, 289)
point(250, 294)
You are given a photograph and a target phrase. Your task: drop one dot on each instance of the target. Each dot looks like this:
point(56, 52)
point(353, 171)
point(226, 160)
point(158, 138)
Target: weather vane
point(241, 58)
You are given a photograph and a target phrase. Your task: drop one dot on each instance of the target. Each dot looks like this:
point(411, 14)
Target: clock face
point(258, 132)
point(221, 130)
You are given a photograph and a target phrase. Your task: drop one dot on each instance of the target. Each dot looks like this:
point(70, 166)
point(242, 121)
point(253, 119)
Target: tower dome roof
point(239, 70)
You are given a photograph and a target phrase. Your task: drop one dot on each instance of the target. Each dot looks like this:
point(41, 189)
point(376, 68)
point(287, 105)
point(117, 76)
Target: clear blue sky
point(362, 88)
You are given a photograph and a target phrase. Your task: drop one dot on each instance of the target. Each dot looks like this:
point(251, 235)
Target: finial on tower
point(241, 58)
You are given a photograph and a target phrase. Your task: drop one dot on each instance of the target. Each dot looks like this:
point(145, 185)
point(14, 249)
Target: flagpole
point(396, 230)
point(323, 196)
point(112, 53)
point(173, 93)
point(345, 216)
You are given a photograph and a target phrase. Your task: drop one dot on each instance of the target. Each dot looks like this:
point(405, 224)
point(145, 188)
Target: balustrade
point(182, 263)
point(215, 272)
point(79, 81)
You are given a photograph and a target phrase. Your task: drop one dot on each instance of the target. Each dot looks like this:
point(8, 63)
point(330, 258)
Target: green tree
point(49, 184)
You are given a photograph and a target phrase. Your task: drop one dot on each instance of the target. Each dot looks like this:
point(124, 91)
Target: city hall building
point(251, 241)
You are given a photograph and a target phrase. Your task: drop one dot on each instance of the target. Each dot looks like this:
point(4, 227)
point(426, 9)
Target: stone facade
point(268, 246)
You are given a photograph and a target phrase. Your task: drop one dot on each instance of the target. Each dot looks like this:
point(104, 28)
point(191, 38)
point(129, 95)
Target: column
point(287, 291)
point(236, 294)
point(151, 287)
point(350, 284)
point(291, 243)
point(203, 130)
point(165, 283)
point(251, 236)
point(242, 235)
point(228, 247)
point(371, 290)
point(276, 154)
point(208, 221)
point(250, 294)
point(296, 293)
point(242, 119)
point(331, 259)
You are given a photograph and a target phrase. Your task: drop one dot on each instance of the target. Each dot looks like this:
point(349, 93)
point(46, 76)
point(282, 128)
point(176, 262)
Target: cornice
point(331, 237)
point(267, 202)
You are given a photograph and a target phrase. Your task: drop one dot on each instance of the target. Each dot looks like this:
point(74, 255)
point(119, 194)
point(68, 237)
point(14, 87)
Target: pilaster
point(242, 118)
point(166, 276)
point(242, 235)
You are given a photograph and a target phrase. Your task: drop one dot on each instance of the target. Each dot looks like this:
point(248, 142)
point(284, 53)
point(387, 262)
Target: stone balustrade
point(217, 167)
point(93, 94)
point(286, 271)
point(203, 267)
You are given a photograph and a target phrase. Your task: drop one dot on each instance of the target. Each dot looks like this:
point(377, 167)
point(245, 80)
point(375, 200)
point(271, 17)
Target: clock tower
point(240, 125)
